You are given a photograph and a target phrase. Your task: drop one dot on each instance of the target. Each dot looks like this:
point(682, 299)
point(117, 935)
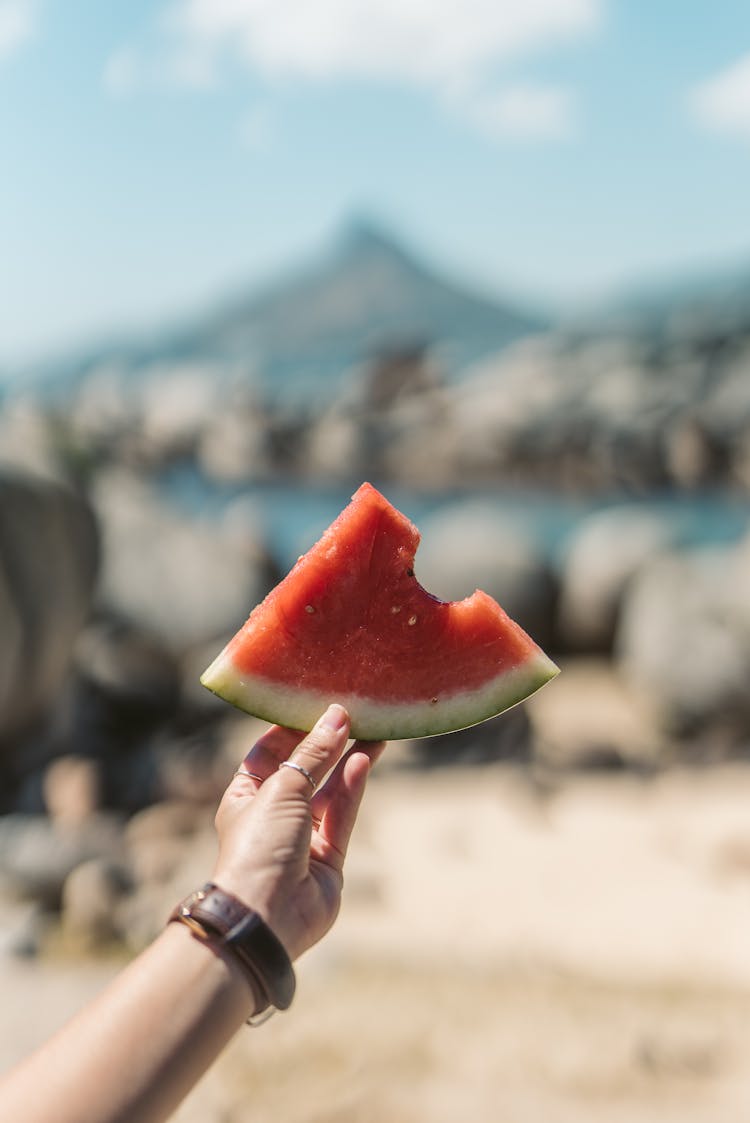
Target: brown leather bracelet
point(226, 922)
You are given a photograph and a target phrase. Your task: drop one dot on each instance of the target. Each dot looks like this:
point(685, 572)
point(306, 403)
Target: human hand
point(281, 846)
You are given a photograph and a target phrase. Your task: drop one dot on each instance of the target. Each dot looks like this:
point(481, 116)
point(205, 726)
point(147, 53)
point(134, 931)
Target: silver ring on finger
point(252, 775)
point(299, 768)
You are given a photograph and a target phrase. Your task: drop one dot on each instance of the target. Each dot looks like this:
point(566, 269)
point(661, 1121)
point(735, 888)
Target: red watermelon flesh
point(351, 624)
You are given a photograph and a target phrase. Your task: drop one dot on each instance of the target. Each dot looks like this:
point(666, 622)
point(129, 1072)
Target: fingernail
point(334, 718)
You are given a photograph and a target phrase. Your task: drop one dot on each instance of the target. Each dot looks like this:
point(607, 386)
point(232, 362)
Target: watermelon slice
point(351, 624)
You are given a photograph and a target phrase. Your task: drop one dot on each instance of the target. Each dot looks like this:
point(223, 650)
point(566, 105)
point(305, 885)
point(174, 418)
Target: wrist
point(211, 971)
point(234, 930)
point(261, 895)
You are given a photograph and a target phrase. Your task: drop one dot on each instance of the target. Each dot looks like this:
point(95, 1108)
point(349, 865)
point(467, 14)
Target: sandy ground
point(505, 952)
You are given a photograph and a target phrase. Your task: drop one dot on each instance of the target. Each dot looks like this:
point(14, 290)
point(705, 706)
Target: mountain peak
point(302, 335)
point(363, 236)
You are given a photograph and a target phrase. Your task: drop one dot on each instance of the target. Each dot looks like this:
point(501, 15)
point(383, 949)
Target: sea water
point(293, 515)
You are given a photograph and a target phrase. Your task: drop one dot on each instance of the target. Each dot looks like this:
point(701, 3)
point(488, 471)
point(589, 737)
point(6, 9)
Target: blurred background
point(496, 260)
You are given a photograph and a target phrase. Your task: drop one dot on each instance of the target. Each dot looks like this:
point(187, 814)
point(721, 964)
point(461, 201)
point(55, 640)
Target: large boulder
point(125, 691)
point(604, 554)
point(183, 579)
point(37, 854)
point(334, 444)
point(26, 439)
point(684, 640)
point(91, 896)
point(129, 670)
point(472, 545)
point(233, 445)
point(591, 720)
point(48, 566)
point(498, 402)
point(507, 738)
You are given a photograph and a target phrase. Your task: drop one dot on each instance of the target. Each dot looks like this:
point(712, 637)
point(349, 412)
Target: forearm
point(131, 1055)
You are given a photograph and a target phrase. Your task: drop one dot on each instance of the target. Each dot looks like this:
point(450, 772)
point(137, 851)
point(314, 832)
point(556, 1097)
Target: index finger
point(318, 752)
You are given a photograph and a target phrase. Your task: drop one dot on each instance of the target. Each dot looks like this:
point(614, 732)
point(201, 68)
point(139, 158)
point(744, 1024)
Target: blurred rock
point(470, 546)
point(242, 524)
point(129, 667)
point(590, 719)
point(233, 446)
point(418, 443)
point(196, 700)
point(399, 374)
point(48, 565)
point(103, 407)
point(607, 550)
point(684, 639)
point(162, 881)
point(13, 711)
point(504, 738)
point(696, 457)
point(26, 440)
point(740, 472)
point(148, 416)
point(156, 839)
point(175, 399)
point(110, 735)
point(190, 769)
point(497, 401)
point(90, 898)
point(596, 413)
point(37, 855)
point(95, 750)
point(24, 927)
point(71, 790)
point(236, 736)
point(728, 406)
point(164, 820)
point(335, 445)
point(180, 579)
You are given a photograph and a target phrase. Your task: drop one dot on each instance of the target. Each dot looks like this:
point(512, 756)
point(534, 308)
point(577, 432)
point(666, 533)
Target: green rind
point(373, 720)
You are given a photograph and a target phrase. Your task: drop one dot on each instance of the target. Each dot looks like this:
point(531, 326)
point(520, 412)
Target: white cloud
point(452, 50)
point(16, 25)
point(408, 40)
point(722, 103)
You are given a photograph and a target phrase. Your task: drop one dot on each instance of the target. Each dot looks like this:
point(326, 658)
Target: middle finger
point(276, 745)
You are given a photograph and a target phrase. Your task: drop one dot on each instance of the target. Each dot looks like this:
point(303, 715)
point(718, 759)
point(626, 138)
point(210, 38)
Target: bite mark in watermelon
point(350, 623)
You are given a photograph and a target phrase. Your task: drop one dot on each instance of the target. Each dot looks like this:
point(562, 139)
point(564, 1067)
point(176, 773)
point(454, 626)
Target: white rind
point(373, 720)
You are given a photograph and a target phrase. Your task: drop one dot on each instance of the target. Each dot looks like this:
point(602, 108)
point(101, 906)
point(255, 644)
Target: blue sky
point(154, 155)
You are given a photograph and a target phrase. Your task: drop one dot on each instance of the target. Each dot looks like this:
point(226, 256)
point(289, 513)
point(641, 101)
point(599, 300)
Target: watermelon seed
point(433, 700)
point(395, 608)
point(309, 608)
point(412, 619)
point(410, 573)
